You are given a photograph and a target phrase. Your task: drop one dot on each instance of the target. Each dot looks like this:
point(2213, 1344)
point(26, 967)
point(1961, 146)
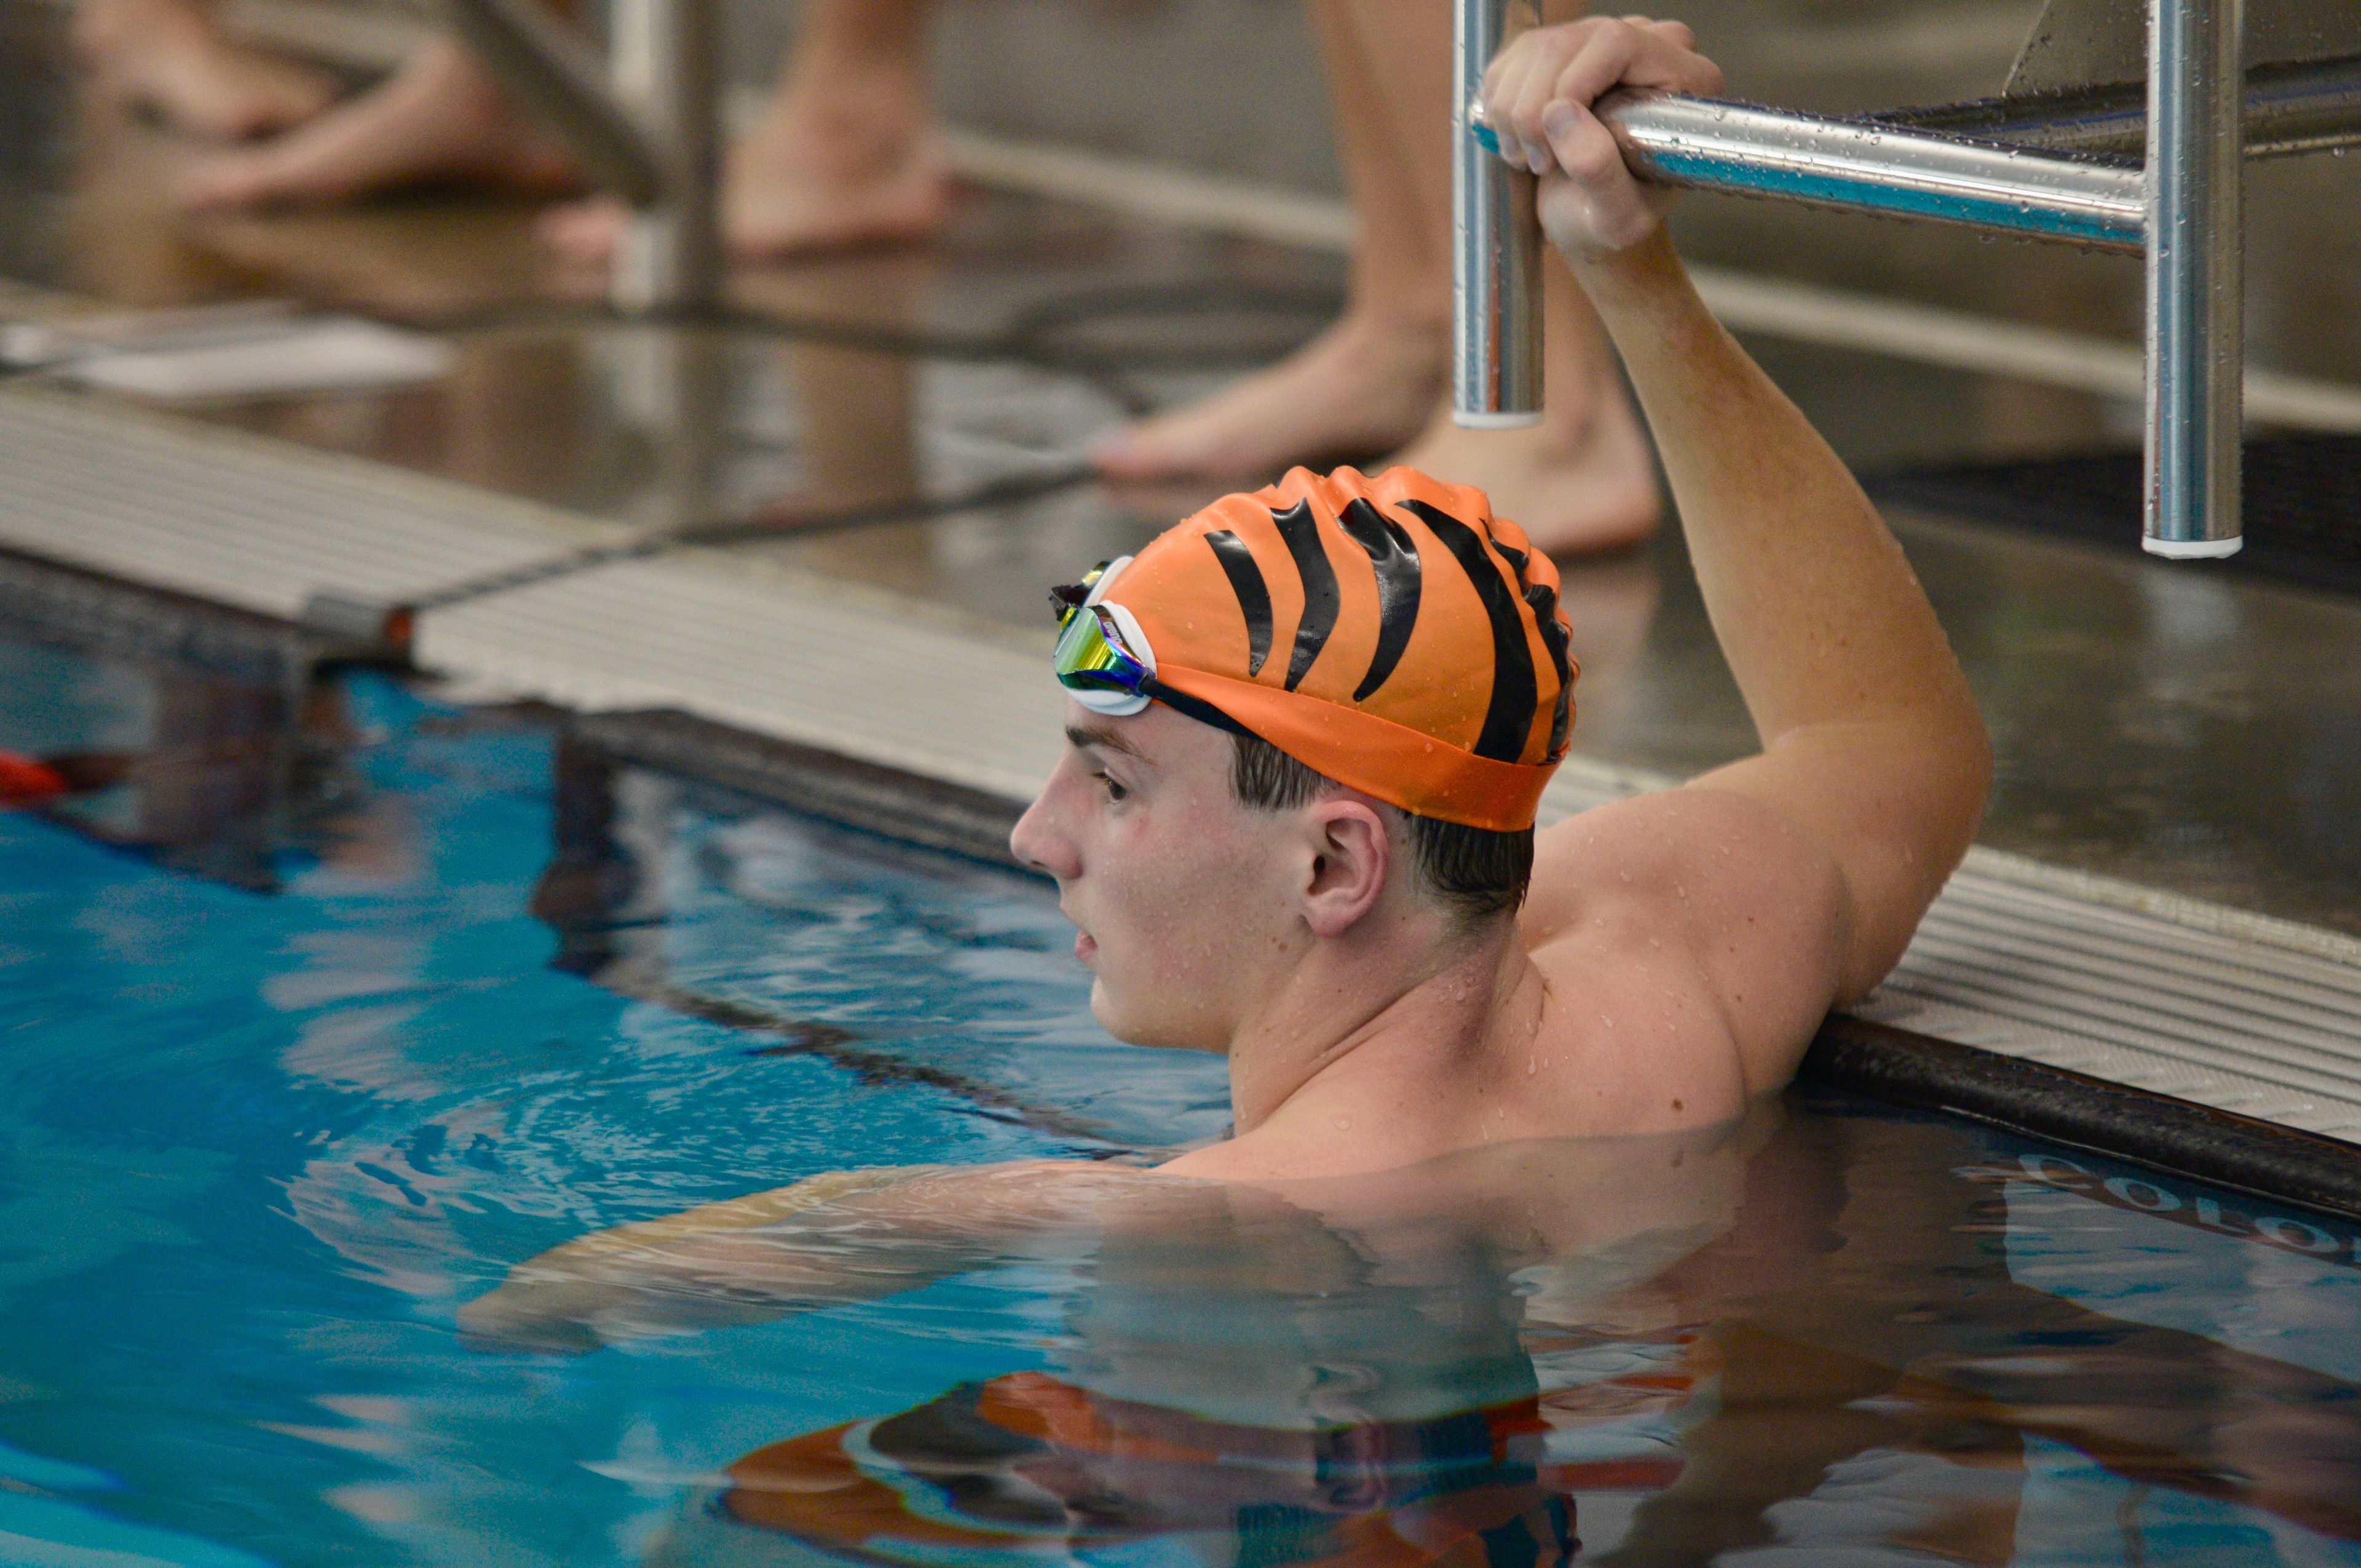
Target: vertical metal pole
point(671, 383)
point(2196, 293)
point(667, 66)
point(1495, 286)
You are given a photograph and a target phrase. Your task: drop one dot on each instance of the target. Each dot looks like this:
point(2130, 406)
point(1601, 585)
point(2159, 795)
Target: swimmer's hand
point(1539, 97)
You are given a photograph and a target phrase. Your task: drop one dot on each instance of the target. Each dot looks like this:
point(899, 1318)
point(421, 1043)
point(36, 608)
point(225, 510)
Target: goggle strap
point(1198, 709)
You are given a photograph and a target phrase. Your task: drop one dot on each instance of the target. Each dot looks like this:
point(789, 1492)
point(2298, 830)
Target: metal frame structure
point(2049, 165)
point(645, 122)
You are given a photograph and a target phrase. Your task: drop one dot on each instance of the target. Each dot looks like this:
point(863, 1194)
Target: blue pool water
point(329, 1004)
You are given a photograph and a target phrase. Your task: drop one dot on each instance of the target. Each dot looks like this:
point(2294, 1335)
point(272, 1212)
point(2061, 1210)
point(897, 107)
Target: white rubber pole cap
point(1466, 420)
point(2193, 549)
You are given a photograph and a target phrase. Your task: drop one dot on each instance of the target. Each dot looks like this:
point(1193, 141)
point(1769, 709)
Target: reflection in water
point(212, 773)
point(1027, 1461)
point(612, 880)
point(1798, 1334)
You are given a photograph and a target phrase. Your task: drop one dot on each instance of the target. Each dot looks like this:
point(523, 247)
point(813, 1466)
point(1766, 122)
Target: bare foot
point(440, 117)
point(1576, 486)
point(809, 178)
point(167, 57)
point(1361, 388)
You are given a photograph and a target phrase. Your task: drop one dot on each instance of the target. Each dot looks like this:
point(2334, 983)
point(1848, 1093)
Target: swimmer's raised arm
point(1800, 873)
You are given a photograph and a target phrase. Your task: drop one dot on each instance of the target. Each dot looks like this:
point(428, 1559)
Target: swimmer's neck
point(1358, 1016)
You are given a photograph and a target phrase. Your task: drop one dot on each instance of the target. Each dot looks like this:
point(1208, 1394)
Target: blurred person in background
point(845, 154)
point(172, 59)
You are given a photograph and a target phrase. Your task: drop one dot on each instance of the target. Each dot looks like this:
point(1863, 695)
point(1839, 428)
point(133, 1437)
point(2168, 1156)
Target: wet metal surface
point(2154, 722)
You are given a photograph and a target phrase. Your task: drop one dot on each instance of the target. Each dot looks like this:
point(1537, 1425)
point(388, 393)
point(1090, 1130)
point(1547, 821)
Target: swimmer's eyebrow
point(1083, 737)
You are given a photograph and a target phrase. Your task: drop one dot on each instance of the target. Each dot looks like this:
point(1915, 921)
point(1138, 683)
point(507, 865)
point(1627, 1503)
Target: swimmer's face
point(1189, 902)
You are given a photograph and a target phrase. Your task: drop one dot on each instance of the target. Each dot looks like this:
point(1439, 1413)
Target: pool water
point(323, 1005)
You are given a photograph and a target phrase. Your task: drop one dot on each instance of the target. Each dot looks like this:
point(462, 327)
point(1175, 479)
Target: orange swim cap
point(1390, 633)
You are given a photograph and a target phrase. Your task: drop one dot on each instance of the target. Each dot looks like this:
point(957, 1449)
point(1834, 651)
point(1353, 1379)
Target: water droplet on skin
point(1344, 1123)
point(1532, 1065)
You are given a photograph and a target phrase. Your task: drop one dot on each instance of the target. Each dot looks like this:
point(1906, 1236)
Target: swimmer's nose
point(1036, 843)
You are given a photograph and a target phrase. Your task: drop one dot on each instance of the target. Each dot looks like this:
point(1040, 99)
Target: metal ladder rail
point(645, 122)
point(2182, 209)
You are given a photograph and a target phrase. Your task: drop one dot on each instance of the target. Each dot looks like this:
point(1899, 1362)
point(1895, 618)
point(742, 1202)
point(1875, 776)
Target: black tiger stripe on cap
point(1393, 555)
point(1254, 594)
point(1545, 608)
point(1508, 715)
point(1301, 530)
point(1544, 598)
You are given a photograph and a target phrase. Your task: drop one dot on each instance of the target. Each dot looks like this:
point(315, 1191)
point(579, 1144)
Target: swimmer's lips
point(1084, 947)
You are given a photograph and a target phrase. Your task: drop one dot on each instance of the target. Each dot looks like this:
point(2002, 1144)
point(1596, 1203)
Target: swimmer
point(1309, 728)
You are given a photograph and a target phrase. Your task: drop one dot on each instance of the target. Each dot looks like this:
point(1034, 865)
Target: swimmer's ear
point(1350, 858)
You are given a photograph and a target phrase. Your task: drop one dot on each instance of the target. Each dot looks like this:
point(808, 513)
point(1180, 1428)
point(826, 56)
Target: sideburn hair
point(1478, 874)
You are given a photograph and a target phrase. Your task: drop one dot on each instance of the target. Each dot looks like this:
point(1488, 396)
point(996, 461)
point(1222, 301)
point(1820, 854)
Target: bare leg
point(845, 154)
point(1582, 480)
point(1367, 383)
point(440, 117)
point(168, 57)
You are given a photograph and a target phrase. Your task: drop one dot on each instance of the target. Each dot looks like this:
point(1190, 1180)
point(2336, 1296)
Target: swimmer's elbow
point(1891, 879)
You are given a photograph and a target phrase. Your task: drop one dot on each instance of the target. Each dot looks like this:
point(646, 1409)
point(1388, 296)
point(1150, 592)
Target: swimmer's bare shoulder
point(1689, 942)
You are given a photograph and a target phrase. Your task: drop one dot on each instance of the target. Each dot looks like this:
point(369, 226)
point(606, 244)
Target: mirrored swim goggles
point(1103, 656)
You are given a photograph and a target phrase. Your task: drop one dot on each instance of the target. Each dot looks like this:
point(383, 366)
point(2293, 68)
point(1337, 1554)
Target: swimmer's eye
point(1114, 789)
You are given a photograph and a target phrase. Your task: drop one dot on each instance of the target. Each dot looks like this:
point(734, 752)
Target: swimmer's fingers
point(1536, 64)
point(1634, 53)
point(1539, 56)
point(1593, 207)
point(1679, 33)
point(1578, 63)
